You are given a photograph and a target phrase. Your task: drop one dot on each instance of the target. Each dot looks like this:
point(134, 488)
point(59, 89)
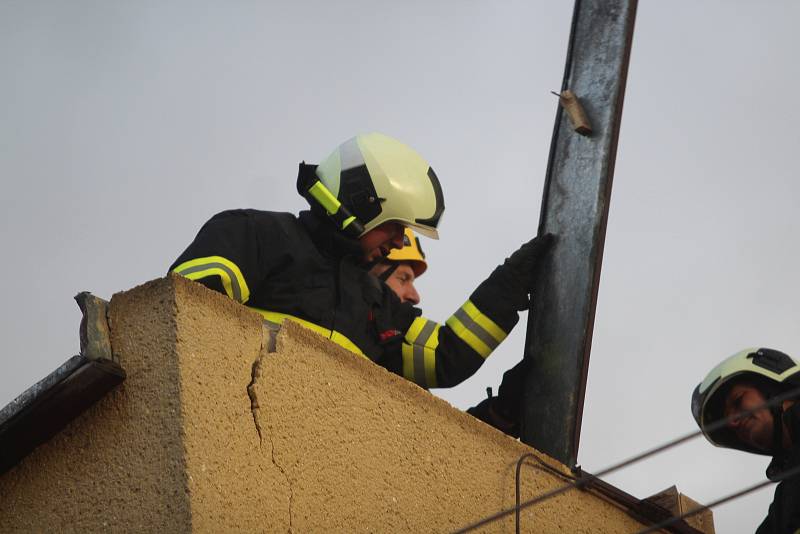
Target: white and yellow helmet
point(773, 372)
point(371, 179)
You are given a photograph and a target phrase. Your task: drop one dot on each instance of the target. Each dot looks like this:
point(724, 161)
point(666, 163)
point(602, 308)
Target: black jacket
point(784, 512)
point(301, 267)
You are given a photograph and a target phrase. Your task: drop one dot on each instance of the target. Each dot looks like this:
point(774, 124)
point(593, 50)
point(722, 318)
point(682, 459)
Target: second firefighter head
point(740, 403)
point(401, 267)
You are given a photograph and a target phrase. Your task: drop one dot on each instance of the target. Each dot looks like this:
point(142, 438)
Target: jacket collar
point(787, 459)
point(327, 239)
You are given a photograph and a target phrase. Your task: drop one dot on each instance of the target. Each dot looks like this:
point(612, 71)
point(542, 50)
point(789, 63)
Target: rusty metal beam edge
point(575, 208)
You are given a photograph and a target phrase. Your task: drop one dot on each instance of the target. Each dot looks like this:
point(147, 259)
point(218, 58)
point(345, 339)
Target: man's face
point(380, 240)
point(754, 428)
point(401, 281)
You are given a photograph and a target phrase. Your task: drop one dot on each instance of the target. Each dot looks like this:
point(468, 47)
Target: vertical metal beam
point(575, 208)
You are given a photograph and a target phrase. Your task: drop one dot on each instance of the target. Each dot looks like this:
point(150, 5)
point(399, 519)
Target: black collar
point(787, 459)
point(327, 238)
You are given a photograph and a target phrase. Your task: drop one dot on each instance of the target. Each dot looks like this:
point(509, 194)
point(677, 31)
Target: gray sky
point(124, 126)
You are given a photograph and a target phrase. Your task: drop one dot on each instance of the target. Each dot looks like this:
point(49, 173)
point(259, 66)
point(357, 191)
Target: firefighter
point(400, 269)
point(732, 408)
point(313, 268)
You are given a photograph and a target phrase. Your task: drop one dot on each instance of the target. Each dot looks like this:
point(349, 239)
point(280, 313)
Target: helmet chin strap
point(392, 267)
point(384, 276)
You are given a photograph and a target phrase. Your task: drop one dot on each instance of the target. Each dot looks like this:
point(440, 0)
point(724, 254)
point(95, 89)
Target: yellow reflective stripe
point(231, 277)
point(348, 221)
point(484, 321)
point(468, 337)
point(429, 355)
point(277, 318)
point(413, 331)
point(476, 329)
point(325, 197)
point(343, 341)
point(419, 352)
point(408, 362)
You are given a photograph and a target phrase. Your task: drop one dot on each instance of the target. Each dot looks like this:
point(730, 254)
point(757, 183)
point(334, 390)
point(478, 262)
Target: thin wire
point(585, 479)
point(542, 465)
point(517, 477)
point(741, 493)
point(543, 497)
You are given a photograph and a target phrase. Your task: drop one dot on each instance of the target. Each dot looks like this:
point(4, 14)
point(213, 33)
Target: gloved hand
point(487, 411)
point(523, 263)
point(503, 411)
point(510, 283)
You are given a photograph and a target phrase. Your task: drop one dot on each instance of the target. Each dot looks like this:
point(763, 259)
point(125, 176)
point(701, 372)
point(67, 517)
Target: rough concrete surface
point(703, 521)
point(367, 451)
point(175, 448)
point(210, 433)
point(233, 483)
point(119, 466)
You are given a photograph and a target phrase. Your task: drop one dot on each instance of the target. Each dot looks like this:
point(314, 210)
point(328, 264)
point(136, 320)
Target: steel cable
point(730, 497)
point(586, 478)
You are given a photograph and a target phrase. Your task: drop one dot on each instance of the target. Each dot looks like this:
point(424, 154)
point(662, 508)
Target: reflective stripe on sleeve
point(419, 352)
point(275, 319)
point(476, 329)
point(228, 272)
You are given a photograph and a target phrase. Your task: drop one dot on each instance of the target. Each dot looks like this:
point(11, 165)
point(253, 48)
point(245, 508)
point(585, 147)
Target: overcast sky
point(125, 125)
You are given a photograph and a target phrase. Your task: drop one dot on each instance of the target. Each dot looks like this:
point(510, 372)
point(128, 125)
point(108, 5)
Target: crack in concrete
point(267, 343)
point(255, 372)
point(288, 483)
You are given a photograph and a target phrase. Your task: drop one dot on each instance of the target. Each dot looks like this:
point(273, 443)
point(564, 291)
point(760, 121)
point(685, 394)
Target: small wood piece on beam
point(572, 105)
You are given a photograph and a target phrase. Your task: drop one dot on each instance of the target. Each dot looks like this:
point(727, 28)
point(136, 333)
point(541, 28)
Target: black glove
point(503, 411)
point(518, 273)
point(524, 262)
point(487, 412)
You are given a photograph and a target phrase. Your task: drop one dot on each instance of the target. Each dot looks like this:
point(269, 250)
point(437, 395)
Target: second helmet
point(410, 253)
point(773, 370)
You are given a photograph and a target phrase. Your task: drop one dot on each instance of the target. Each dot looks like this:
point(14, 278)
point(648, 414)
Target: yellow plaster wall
point(703, 521)
point(120, 465)
point(321, 441)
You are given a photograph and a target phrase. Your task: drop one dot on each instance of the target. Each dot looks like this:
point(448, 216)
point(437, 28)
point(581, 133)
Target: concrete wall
point(211, 433)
